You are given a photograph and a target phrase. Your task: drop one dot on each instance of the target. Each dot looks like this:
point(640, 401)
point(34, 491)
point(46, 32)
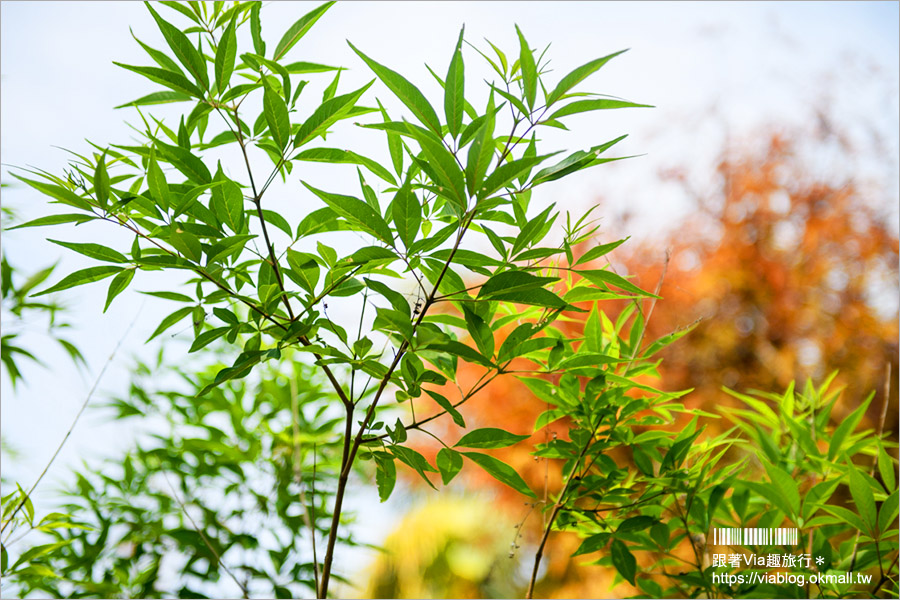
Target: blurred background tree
point(788, 267)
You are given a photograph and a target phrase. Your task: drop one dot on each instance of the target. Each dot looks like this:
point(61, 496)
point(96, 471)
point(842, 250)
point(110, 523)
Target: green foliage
point(791, 471)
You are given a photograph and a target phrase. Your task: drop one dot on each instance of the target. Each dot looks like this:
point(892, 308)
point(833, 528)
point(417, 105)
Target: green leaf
point(171, 80)
point(61, 194)
point(480, 152)
point(157, 98)
point(327, 115)
point(489, 437)
point(385, 475)
point(335, 155)
point(407, 215)
point(228, 204)
point(598, 251)
point(592, 544)
point(500, 471)
point(414, 460)
point(846, 428)
point(118, 285)
point(886, 469)
point(863, 499)
point(170, 320)
point(226, 54)
point(602, 278)
point(578, 75)
point(93, 251)
point(442, 165)
point(101, 182)
point(299, 29)
point(192, 60)
point(78, 219)
point(574, 162)
point(259, 46)
point(454, 89)
point(277, 118)
point(505, 173)
point(511, 345)
point(159, 188)
point(208, 337)
point(480, 332)
point(406, 92)
point(449, 462)
point(638, 523)
point(512, 281)
point(529, 70)
point(192, 167)
point(461, 350)
point(623, 560)
point(447, 406)
point(580, 106)
point(81, 277)
point(357, 212)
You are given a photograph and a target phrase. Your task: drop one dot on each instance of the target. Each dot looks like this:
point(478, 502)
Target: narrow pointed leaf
point(454, 89)
point(580, 106)
point(500, 471)
point(192, 60)
point(226, 54)
point(299, 29)
point(81, 277)
point(327, 115)
point(118, 285)
point(449, 463)
point(171, 80)
point(406, 92)
point(578, 75)
point(277, 118)
point(489, 437)
point(357, 212)
point(93, 251)
point(529, 70)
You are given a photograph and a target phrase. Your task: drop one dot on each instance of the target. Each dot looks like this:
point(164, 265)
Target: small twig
point(203, 536)
point(74, 422)
point(298, 473)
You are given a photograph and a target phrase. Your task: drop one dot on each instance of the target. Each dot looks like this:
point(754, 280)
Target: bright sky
point(707, 66)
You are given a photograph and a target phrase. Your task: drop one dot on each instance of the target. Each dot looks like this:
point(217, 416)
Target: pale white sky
point(707, 66)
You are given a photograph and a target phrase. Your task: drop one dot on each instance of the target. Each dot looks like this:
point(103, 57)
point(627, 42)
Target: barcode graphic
point(755, 536)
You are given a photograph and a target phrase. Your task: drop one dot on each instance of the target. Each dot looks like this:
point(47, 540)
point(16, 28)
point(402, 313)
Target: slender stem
point(540, 552)
point(346, 462)
point(349, 452)
point(70, 430)
point(204, 538)
point(298, 473)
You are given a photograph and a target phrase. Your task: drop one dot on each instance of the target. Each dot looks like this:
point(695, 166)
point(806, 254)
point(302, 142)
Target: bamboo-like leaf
point(171, 80)
point(192, 60)
point(101, 182)
point(357, 212)
point(406, 92)
point(78, 219)
point(277, 118)
point(336, 155)
point(81, 277)
point(171, 319)
point(118, 285)
point(529, 70)
point(299, 29)
point(580, 106)
point(578, 75)
point(226, 54)
point(157, 98)
point(159, 188)
point(489, 437)
point(480, 152)
point(259, 46)
point(604, 278)
point(407, 215)
point(454, 89)
point(186, 162)
point(93, 251)
point(500, 471)
point(327, 115)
